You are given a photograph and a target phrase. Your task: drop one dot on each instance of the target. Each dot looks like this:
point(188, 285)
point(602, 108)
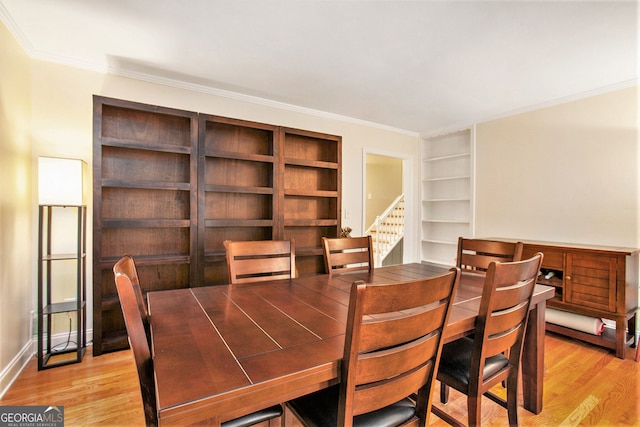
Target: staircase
point(387, 230)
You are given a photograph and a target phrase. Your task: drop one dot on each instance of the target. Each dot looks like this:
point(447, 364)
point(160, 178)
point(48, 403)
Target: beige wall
point(567, 173)
point(383, 183)
point(16, 224)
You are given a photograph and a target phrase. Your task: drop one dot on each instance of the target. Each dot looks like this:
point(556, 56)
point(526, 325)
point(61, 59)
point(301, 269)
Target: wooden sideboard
point(592, 280)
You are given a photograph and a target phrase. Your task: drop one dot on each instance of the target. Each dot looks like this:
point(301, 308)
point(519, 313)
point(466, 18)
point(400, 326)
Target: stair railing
point(387, 230)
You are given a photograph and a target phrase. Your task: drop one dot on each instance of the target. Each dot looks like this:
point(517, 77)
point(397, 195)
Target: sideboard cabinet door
point(590, 281)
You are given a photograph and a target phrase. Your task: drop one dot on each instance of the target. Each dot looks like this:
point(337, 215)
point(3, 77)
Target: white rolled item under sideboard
point(579, 322)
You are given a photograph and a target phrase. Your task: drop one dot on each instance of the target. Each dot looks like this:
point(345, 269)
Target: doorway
point(384, 181)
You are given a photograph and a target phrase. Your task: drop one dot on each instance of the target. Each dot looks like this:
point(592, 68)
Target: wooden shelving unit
point(236, 169)
point(144, 201)
point(310, 193)
point(170, 186)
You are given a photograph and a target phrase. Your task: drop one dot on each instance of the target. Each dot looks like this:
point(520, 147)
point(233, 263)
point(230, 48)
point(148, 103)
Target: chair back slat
point(393, 341)
point(260, 260)
point(477, 254)
point(347, 254)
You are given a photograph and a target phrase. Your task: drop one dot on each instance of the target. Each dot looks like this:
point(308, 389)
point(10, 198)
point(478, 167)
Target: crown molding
point(179, 84)
point(533, 107)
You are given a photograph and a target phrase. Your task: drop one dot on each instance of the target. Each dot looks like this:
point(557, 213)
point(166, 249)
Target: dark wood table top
point(223, 351)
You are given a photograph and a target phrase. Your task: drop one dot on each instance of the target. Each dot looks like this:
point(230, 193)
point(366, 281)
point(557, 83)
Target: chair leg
point(512, 398)
point(474, 410)
point(444, 393)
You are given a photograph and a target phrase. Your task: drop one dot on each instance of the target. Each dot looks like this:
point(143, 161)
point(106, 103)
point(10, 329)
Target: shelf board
point(446, 178)
point(147, 185)
point(448, 157)
point(310, 222)
point(310, 193)
point(144, 145)
point(263, 158)
point(63, 307)
point(108, 262)
point(453, 199)
point(446, 221)
point(310, 163)
point(146, 223)
point(238, 223)
point(440, 242)
point(554, 281)
point(61, 257)
point(213, 188)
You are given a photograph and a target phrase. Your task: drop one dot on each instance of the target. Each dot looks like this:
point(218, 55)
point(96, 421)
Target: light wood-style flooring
point(584, 386)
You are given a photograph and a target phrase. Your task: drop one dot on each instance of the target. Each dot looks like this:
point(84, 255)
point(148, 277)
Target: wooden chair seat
point(320, 409)
point(456, 360)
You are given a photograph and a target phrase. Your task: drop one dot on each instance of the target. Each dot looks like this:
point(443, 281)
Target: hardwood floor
point(584, 385)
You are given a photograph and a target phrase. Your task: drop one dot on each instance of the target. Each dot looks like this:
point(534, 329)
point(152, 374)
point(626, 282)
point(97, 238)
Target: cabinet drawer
point(552, 259)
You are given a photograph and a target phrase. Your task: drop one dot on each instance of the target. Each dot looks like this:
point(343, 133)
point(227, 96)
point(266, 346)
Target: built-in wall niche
point(447, 195)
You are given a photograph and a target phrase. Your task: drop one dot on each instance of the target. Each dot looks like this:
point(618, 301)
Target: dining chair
point(346, 254)
point(474, 365)
point(260, 260)
point(392, 346)
point(127, 266)
point(477, 254)
point(139, 343)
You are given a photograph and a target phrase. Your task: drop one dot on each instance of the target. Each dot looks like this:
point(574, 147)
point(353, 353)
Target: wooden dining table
point(223, 351)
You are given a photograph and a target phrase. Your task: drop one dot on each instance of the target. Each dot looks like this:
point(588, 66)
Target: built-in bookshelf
point(447, 195)
point(170, 186)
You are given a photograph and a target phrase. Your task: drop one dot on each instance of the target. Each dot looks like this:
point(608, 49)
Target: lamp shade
point(60, 181)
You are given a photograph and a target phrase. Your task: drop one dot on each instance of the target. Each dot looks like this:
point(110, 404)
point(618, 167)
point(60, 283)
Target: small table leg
point(533, 359)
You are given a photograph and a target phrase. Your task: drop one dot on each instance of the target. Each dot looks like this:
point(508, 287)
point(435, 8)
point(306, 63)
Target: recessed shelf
point(446, 221)
point(449, 157)
point(447, 178)
point(441, 242)
point(447, 200)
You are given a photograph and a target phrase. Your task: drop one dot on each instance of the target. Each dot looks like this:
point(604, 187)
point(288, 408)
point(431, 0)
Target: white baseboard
point(11, 372)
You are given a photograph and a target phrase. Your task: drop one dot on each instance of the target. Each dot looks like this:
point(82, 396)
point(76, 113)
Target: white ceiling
point(422, 66)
